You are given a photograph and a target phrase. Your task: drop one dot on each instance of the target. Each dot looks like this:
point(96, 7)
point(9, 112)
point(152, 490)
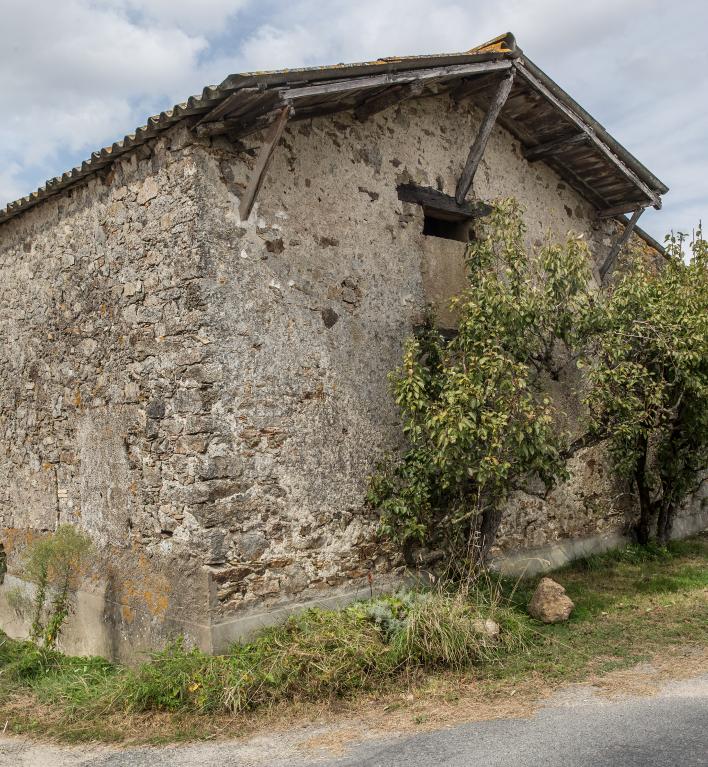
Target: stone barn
point(196, 327)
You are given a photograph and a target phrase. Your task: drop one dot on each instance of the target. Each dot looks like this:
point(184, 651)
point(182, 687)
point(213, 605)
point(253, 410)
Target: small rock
point(550, 603)
point(488, 627)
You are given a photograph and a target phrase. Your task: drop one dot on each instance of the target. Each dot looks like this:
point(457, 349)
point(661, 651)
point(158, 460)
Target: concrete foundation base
point(90, 630)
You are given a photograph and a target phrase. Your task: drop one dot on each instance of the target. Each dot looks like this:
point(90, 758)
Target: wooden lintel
point(592, 136)
point(264, 157)
point(616, 210)
point(620, 241)
point(480, 142)
point(388, 98)
point(541, 151)
point(432, 200)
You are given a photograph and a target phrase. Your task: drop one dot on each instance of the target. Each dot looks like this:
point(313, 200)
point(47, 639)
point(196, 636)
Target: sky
point(76, 75)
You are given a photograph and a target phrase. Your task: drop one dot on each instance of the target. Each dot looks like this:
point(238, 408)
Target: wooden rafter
point(264, 157)
point(388, 98)
point(652, 196)
point(620, 241)
point(480, 142)
point(541, 151)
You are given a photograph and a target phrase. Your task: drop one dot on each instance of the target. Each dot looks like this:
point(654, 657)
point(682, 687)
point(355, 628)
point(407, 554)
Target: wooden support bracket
point(620, 241)
point(264, 157)
point(480, 142)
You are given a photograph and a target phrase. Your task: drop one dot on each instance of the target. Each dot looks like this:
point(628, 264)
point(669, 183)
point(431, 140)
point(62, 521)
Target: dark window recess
point(435, 226)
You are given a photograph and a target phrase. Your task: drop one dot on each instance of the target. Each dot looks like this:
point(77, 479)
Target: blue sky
point(76, 75)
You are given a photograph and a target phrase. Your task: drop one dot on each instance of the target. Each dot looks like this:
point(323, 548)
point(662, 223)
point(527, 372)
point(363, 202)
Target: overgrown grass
point(629, 604)
point(316, 655)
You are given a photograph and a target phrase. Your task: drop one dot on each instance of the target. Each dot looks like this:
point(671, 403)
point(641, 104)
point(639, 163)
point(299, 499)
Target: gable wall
point(312, 299)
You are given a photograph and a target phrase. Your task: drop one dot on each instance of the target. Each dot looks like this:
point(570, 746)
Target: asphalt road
point(576, 729)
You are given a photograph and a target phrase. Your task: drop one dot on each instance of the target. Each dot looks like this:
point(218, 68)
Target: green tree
point(477, 421)
point(648, 370)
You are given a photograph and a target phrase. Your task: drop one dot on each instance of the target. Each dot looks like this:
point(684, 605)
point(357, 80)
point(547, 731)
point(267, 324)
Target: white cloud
point(193, 17)
point(79, 74)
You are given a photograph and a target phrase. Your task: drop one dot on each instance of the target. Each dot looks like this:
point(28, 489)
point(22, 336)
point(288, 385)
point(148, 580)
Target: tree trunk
point(665, 522)
point(491, 519)
point(645, 505)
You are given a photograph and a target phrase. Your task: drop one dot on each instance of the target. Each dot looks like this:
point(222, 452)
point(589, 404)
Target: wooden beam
point(430, 199)
point(592, 136)
point(541, 151)
point(616, 210)
point(230, 102)
point(480, 142)
point(388, 98)
point(264, 157)
point(391, 78)
point(619, 243)
point(471, 86)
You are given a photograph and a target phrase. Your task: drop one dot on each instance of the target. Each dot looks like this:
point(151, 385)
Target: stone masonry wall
point(311, 300)
point(207, 396)
point(107, 387)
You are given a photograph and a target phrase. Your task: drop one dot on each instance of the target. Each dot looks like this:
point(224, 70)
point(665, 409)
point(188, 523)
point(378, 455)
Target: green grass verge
point(629, 604)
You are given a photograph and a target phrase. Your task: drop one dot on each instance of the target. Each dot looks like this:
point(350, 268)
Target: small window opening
point(449, 229)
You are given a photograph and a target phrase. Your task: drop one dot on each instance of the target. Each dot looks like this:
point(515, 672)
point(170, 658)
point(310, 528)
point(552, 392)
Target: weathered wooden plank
point(386, 99)
point(230, 102)
point(592, 136)
point(619, 243)
point(264, 157)
point(433, 200)
point(391, 78)
point(480, 142)
point(541, 151)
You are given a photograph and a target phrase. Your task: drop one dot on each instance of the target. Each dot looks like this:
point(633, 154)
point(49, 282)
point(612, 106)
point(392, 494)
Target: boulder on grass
point(550, 603)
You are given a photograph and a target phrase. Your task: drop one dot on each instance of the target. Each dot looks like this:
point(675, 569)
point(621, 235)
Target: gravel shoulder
point(652, 714)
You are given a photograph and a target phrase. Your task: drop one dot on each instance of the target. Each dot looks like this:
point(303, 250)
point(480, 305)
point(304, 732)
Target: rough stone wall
point(312, 298)
point(207, 397)
point(107, 387)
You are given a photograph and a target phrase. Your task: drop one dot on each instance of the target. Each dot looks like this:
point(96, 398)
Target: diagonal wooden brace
point(619, 243)
point(264, 157)
point(480, 142)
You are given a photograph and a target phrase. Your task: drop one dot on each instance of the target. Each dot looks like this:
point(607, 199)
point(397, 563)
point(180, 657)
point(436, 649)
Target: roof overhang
point(549, 124)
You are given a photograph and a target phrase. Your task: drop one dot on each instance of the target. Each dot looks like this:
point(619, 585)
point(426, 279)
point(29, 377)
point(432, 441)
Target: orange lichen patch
point(15, 537)
point(146, 590)
point(156, 603)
